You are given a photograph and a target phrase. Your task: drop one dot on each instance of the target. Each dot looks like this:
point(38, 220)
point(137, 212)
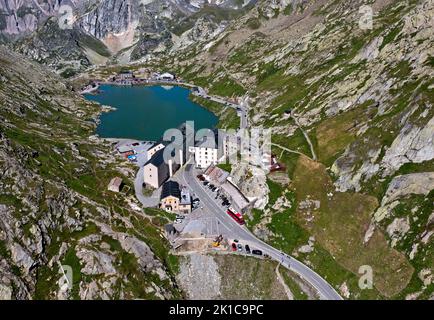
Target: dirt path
point(282, 282)
point(312, 150)
point(290, 150)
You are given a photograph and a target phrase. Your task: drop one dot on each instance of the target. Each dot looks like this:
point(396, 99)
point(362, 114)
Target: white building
point(204, 156)
point(231, 145)
point(216, 149)
point(155, 148)
point(207, 151)
point(115, 184)
point(166, 76)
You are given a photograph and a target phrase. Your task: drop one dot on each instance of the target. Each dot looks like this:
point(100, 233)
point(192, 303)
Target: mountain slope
point(354, 102)
point(55, 209)
point(364, 98)
point(96, 30)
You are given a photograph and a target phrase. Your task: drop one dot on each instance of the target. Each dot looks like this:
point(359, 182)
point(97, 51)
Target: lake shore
point(146, 112)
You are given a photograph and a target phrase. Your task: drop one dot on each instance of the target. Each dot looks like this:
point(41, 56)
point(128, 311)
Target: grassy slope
point(334, 256)
point(49, 129)
point(331, 136)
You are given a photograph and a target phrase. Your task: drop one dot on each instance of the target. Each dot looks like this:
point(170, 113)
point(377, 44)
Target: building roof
point(207, 142)
point(238, 198)
point(216, 174)
point(157, 160)
point(115, 183)
point(125, 148)
point(170, 188)
point(167, 75)
point(161, 142)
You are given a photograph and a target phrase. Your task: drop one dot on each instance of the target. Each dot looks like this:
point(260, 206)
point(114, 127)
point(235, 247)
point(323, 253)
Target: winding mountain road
point(324, 289)
point(188, 177)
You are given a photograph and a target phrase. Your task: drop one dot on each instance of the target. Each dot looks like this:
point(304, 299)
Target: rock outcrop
point(61, 236)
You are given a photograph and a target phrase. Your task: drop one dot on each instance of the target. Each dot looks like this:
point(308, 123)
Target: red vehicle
point(238, 217)
point(234, 247)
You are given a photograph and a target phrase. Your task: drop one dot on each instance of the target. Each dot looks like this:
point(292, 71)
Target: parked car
point(247, 248)
point(257, 252)
point(179, 216)
point(178, 221)
point(240, 247)
point(205, 183)
point(236, 240)
point(234, 247)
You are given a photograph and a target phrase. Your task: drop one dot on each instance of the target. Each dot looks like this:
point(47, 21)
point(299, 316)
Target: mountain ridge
point(323, 79)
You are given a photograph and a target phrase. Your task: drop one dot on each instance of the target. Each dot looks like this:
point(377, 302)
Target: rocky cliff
point(62, 234)
point(346, 86)
point(350, 86)
point(94, 31)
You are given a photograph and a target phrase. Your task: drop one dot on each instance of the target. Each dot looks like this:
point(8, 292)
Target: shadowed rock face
point(100, 18)
point(95, 27)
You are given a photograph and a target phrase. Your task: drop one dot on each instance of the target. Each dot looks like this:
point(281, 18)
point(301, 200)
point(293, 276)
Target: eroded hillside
point(357, 102)
point(54, 205)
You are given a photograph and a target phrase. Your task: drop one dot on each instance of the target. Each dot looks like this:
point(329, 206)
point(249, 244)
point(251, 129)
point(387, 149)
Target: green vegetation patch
point(339, 222)
point(227, 87)
point(253, 23)
point(94, 44)
point(333, 135)
point(416, 210)
point(228, 117)
point(225, 166)
point(298, 293)
point(72, 260)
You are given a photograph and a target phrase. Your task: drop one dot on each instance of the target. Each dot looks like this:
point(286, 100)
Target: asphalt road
point(241, 108)
point(325, 291)
point(138, 188)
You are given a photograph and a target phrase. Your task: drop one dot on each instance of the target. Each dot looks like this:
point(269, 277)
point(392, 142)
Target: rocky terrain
point(355, 99)
point(56, 216)
point(346, 86)
point(225, 276)
point(70, 35)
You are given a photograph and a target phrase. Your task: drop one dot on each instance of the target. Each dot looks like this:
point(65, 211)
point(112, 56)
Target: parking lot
point(204, 223)
point(134, 150)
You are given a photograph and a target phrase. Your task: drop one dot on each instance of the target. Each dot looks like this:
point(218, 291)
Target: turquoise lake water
point(146, 112)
